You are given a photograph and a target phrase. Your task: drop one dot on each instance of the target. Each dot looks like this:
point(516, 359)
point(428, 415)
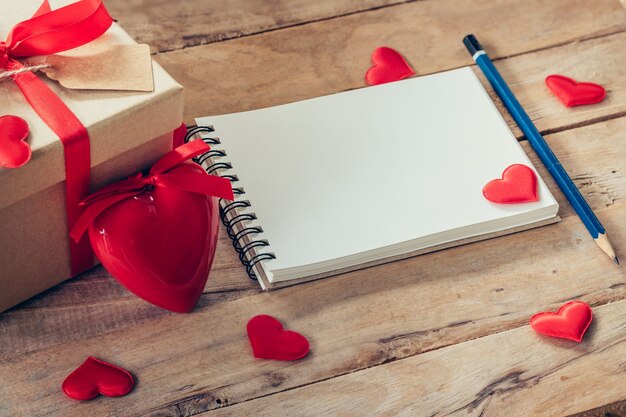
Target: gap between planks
point(292, 25)
point(512, 383)
point(183, 330)
point(240, 35)
point(598, 177)
point(343, 64)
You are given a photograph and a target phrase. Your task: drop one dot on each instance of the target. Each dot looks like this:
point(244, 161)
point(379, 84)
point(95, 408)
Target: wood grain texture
point(513, 373)
point(616, 409)
point(366, 326)
point(331, 56)
point(198, 22)
point(187, 364)
point(203, 358)
point(96, 304)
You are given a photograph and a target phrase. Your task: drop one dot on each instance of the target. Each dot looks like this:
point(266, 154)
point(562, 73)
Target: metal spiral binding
point(239, 233)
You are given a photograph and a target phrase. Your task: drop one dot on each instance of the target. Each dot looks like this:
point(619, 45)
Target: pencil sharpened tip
point(616, 260)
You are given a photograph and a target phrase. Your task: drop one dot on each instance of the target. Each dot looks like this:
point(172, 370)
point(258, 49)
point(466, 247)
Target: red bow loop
point(53, 31)
point(159, 176)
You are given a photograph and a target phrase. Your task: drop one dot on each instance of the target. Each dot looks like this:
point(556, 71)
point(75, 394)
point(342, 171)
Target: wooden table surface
point(443, 334)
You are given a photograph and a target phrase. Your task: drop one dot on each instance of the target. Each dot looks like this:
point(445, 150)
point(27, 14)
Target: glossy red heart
point(570, 322)
point(573, 93)
point(95, 377)
point(14, 151)
point(271, 341)
point(518, 185)
point(388, 66)
point(160, 244)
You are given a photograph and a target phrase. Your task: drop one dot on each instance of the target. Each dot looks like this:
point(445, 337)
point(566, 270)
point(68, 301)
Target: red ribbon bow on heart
point(159, 176)
point(50, 32)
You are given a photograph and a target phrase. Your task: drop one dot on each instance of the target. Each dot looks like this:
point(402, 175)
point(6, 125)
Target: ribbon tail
point(50, 32)
point(196, 183)
point(93, 211)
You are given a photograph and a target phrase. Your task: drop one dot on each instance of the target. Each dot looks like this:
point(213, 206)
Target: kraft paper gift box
point(128, 132)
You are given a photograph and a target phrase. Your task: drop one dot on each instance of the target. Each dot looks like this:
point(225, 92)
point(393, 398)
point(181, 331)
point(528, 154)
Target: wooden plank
point(617, 409)
point(585, 154)
point(198, 22)
point(516, 372)
point(331, 56)
point(124, 328)
point(97, 285)
point(599, 60)
point(188, 364)
point(228, 275)
point(592, 155)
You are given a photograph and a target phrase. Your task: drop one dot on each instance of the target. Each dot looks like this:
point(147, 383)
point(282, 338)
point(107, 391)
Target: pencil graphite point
point(603, 241)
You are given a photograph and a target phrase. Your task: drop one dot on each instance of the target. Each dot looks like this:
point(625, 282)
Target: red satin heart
point(570, 322)
point(95, 377)
point(518, 185)
point(14, 151)
point(573, 93)
point(271, 341)
point(160, 244)
point(388, 66)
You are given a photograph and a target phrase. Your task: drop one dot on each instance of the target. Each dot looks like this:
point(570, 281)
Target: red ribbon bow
point(49, 32)
point(160, 175)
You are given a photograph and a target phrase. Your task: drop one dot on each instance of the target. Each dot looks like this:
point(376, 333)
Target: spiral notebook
point(354, 179)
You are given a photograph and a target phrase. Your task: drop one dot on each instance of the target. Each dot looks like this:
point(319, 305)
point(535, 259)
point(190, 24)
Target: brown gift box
point(128, 132)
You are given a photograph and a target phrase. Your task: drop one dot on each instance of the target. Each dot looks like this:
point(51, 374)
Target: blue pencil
point(540, 146)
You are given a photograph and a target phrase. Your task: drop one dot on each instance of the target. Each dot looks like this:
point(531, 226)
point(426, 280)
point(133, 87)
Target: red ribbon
point(49, 32)
point(160, 175)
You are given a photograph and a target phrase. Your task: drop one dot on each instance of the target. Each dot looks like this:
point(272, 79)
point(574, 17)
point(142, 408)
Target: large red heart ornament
point(388, 66)
point(95, 377)
point(570, 322)
point(271, 341)
point(573, 93)
point(160, 244)
point(518, 185)
point(14, 150)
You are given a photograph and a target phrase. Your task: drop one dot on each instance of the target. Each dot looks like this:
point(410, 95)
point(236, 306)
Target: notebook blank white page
point(357, 172)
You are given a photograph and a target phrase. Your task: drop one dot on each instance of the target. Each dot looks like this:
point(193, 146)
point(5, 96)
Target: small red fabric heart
point(160, 244)
point(271, 341)
point(573, 93)
point(570, 322)
point(95, 377)
point(14, 151)
point(518, 185)
point(388, 66)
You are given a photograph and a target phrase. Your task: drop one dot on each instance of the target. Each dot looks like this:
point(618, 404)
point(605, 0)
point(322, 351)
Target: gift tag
point(102, 67)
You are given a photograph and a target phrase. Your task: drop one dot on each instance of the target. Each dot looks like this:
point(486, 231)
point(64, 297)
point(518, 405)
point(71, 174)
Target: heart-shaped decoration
point(388, 66)
point(570, 322)
point(95, 377)
point(14, 151)
point(160, 244)
point(518, 185)
point(573, 93)
point(271, 341)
